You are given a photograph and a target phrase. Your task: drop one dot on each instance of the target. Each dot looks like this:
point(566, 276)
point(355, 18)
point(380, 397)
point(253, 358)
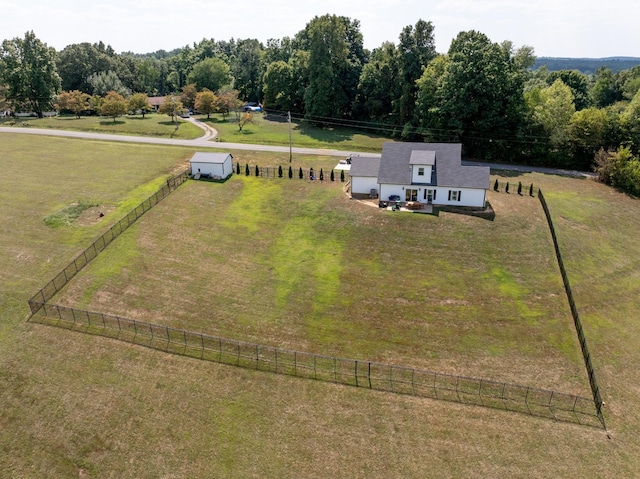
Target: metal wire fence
point(290, 172)
point(62, 278)
point(351, 372)
point(595, 390)
point(358, 373)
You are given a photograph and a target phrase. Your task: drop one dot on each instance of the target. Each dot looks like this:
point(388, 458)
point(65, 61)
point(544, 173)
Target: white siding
point(222, 170)
point(363, 184)
point(468, 196)
point(416, 178)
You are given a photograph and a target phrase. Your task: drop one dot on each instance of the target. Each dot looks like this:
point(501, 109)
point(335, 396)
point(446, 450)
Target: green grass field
point(76, 405)
point(274, 130)
point(151, 125)
point(328, 275)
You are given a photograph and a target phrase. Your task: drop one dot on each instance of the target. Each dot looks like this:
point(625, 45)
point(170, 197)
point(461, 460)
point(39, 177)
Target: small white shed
point(211, 165)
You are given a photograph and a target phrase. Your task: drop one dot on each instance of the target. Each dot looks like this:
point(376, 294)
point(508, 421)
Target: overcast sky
point(560, 28)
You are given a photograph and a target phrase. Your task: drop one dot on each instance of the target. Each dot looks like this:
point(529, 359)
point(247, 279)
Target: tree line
point(483, 94)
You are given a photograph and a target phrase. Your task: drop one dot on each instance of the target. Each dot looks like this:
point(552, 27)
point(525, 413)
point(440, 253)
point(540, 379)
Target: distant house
point(211, 165)
point(430, 173)
point(156, 102)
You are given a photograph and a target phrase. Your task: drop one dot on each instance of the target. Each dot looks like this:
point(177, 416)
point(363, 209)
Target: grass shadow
point(487, 213)
point(112, 122)
point(324, 134)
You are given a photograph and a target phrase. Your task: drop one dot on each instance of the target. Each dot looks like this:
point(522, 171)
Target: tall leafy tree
point(139, 101)
point(428, 103)
point(206, 102)
point(480, 92)
point(415, 50)
point(554, 112)
point(210, 73)
point(188, 95)
point(77, 62)
point(278, 50)
point(578, 84)
point(630, 119)
point(113, 105)
point(336, 56)
point(75, 101)
point(605, 90)
point(171, 106)
point(300, 71)
point(104, 82)
point(228, 101)
point(278, 86)
point(377, 85)
point(587, 134)
point(27, 67)
point(248, 69)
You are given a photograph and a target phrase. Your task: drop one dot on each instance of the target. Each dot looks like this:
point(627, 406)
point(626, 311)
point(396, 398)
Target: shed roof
point(364, 166)
point(202, 157)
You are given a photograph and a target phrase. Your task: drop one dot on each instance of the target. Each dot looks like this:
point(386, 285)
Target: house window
point(411, 195)
point(455, 195)
point(420, 171)
point(429, 195)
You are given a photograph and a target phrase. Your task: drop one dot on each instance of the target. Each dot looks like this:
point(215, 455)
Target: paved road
point(199, 142)
point(207, 141)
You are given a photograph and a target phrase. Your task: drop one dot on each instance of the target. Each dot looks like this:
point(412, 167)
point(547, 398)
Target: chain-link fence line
point(595, 390)
point(84, 258)
point(351, 372)
point(359, 373)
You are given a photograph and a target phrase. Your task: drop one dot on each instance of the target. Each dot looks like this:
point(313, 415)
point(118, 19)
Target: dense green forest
point(486, 95)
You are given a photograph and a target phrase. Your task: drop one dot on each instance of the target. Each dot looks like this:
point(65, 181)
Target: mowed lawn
point(76, 405)
point(271, 129)
point(299, 265)
point(151, 125)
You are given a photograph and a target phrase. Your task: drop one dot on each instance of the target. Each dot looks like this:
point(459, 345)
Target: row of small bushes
point(311, 174)
point(496, 187)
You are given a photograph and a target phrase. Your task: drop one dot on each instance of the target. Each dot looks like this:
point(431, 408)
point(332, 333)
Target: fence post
point(369, 374)
point(257, 357)
point(413, 387)
point(356, 371)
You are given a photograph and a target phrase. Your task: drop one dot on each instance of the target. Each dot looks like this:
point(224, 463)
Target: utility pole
point(290, 144)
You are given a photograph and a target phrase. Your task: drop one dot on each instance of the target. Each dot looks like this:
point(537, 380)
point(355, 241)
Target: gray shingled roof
point(396, 160)
point(202, 157)
point(364, 166)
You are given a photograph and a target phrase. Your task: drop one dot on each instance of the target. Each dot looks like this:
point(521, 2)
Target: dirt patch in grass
point(95, 214)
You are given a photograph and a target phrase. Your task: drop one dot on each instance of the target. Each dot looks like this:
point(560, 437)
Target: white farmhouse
point(211, 165)
point(429, 173)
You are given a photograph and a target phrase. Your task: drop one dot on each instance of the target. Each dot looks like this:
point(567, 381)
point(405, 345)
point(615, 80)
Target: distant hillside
point(587, 65)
